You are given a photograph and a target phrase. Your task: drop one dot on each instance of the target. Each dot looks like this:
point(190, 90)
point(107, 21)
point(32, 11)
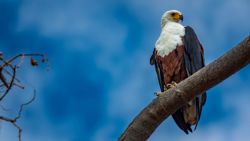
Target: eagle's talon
point(174, 83)
point(171, 85)
point(166, 88)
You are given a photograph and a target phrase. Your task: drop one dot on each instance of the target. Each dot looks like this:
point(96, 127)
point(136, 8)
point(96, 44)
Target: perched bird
point(177, 55)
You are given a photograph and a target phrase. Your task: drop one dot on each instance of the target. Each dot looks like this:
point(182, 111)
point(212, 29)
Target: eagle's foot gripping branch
point(171, 85)
point(159, 93)
point(167, 87)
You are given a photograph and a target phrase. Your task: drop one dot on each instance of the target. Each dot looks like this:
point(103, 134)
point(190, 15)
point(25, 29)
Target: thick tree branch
point(169, 101)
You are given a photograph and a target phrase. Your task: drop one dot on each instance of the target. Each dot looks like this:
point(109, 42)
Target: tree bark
point(169, 101)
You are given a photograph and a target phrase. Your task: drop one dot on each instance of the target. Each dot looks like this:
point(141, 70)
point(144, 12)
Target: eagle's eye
point(172, 14)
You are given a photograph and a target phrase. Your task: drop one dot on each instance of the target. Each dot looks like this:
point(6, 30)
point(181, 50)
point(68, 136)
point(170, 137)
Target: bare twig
point(9, 61)
point(10, 85)
point(13, 121)
point(8, 79)
point(169, 101)
point(24, 104)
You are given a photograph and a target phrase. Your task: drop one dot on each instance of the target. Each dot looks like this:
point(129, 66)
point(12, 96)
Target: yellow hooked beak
point(177, 17)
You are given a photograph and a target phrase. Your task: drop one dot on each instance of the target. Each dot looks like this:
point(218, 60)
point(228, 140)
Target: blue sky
point(100, 76)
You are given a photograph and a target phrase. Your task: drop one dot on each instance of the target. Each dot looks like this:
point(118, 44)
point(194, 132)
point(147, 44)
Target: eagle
point(178, 54)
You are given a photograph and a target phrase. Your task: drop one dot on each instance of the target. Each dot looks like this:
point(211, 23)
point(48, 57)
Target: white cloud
point(77, 22)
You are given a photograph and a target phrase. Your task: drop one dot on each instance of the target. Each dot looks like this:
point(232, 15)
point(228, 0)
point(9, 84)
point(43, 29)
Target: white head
point(171, 15)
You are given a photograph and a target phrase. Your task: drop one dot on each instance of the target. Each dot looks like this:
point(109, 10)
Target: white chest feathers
point(170, 37)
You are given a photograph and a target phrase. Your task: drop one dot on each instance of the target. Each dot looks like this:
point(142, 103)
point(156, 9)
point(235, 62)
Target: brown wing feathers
point(171, 68)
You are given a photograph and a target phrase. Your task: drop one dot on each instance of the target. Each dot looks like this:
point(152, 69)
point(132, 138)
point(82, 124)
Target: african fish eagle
point(177, 55)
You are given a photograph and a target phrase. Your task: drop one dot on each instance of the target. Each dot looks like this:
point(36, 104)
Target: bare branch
point(169, 101)
point(8, 79)
point(9, 61)
point(13, 121)
point(10, 85)
point(24, 104)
